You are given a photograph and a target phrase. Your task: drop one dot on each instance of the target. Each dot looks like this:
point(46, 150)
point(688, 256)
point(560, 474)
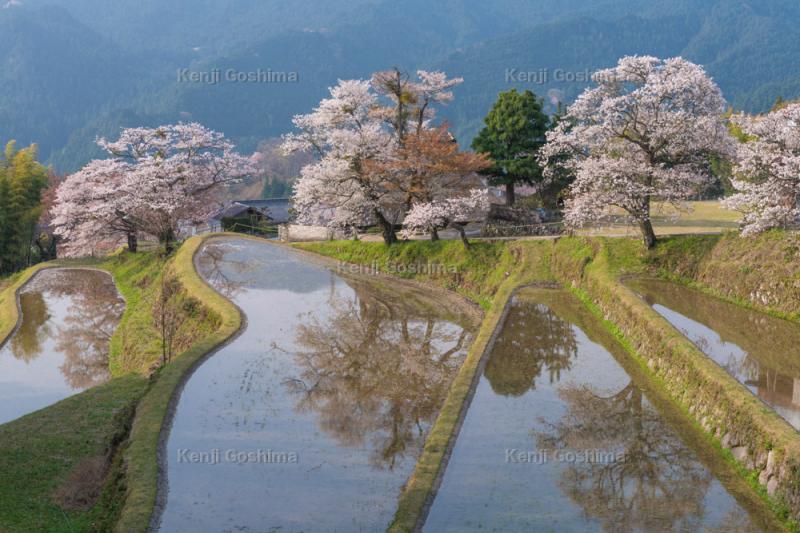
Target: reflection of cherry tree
point(534, 339)
point(652, 482)
point(741, 365)
point(756, 349)
point(84, 338)
point(212, 263)
point(375, 374)
point(84, 335)
point(26, 344)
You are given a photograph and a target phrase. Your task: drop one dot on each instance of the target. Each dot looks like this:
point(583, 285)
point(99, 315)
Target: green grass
point(702, 214)
point(476, 273)
point(700, 387)
point(761, 272)
point(135, 343)
point(48, 446)
point(703, 217)
point(43, 453)
point(691, 430)
point(490, 272)
point(136, 346)
point(140, 457)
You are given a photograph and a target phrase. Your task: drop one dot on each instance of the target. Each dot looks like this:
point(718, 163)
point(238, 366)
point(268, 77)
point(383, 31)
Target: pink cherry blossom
point(430, 217)
point(647, 131)
point(768, 171)
point(154, 180)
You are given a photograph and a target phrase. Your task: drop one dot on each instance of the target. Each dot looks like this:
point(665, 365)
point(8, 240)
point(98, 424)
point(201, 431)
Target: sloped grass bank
point(488, 273)
point(103, 443)
point(136, 344)
point(53, 462)
point(141, 457)
point(120, 424)
point(760, 445)
point(764, 448)
point(761, 272)
point(476, 273)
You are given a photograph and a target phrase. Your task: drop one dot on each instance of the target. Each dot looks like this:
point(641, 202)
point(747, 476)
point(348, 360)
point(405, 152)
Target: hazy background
point(74, 69)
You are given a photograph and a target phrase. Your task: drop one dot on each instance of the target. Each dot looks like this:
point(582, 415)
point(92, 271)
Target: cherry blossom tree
point(362, 124)
point(411, 102)
point(648, 130)
point(88, 214)
point(455, 213)
point(430, 166)
point(177, 171)
point(768, 171)
point(344, 132)
point(154, 180)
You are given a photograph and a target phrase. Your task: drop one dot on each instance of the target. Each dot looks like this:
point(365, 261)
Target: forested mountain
point(56, 75)
point(751, 48)
point(75, 69)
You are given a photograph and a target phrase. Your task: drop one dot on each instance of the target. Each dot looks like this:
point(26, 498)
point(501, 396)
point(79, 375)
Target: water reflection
point(348, 373)
point(572, 443)
point(61, 346)
point(372, 370)
point(644, 478)
point(26, 344)
point(523, 352)
point(758, 350)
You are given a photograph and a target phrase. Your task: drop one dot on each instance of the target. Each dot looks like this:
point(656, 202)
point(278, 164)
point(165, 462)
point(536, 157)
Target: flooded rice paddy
point(61, 345)
point(315, 416)
point(760, 351)
point(564, 434)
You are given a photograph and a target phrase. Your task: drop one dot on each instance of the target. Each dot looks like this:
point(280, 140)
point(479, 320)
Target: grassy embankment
point(762, 272)
point(760, 445)
point(38, 450)
point(90, 461)
point(488, 274)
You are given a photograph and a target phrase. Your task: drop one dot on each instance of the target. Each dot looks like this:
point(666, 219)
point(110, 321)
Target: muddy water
point(61, 346)
point(560, 437)
point(760, 351)
point(315, 416)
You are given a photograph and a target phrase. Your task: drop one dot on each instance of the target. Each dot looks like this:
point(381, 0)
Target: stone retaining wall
point(759, 440)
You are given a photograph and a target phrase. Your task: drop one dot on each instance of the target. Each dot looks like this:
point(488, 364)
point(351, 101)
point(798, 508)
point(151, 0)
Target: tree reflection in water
point(646, 479)
point(26, 344)
point(533, 339)
point(214, 262)
point(657, 484)
point(375, 372)
point(82, 334)
point(758, 350)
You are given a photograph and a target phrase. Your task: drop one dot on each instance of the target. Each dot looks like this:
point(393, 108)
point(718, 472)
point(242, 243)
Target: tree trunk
point(463, 234)
point(168, 240)
point(648, 235)
point(30, 245)
point(511, 195)
point(434, 234)
point(133, 243)
point(389, 236)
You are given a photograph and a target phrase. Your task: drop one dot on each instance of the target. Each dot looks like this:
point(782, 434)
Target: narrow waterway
point(61, 345)
point(564, 434)
point(760, 351)
point(314, 417)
